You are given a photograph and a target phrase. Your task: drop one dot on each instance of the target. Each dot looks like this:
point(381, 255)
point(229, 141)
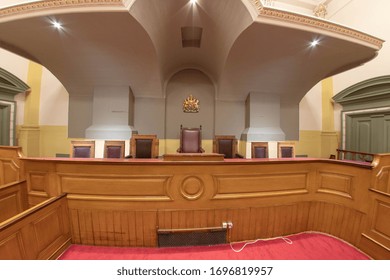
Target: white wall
point(371, 17)
point(310, 113)
point(54, 105)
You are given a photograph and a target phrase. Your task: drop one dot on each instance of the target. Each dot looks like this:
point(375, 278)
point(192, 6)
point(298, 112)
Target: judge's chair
point(144, 146)
point(286, 149)
point(226, 145)
point(114, 149)
point(190, 140)
point(259, 149)
point(82, 149)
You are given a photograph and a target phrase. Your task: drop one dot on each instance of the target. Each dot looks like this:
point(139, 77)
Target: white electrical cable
point(287, 240)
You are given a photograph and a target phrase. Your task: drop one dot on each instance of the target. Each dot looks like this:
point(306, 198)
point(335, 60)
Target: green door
point(5, 113)
point(368, 133)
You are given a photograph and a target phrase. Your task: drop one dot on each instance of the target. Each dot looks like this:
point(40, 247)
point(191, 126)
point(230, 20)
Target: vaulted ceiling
point(241, 45)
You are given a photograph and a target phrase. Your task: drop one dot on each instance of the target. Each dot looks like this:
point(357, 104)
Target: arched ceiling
point(244, 47)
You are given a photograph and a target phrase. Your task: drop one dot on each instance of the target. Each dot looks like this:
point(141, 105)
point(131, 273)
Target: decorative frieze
point(54, 4)
point(313, 22)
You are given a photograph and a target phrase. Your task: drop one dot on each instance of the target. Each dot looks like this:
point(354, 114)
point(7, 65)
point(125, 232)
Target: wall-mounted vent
point(191, 36)
point(192, 237)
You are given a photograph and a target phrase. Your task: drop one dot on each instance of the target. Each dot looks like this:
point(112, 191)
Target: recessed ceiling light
point(57, 25)
point(314, 43)
point(193, 2)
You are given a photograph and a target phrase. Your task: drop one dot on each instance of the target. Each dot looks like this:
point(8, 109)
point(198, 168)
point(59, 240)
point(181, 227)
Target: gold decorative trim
point(258, 5)
point(49, 4)
point(315, 22)
point(319, 23)
point(320, 11)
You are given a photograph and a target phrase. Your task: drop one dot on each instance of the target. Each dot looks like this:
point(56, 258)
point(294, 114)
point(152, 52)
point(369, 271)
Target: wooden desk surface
point(193, 157)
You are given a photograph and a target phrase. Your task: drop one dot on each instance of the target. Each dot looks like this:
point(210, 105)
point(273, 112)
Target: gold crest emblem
point(191, 105)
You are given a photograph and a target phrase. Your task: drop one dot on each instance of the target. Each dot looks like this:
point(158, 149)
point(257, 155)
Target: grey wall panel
point(80, 115)
point(149, 116)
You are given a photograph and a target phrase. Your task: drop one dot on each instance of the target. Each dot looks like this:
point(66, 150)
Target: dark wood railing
point(354, 155)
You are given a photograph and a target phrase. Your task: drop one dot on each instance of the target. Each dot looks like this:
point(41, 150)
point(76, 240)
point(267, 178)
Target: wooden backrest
point(259, 149)
point(114, 149)
point(226, 145)
point(144, 146)
point(286, 149)
point(82, 149)
point(190, 140)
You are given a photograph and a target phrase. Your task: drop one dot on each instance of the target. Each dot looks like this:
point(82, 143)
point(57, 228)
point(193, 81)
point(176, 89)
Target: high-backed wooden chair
point(259, 149)
point(82, 149)
point(226, 145)
point(114, 149)
point(144, 146)
point(190, 140)
point(286, 149)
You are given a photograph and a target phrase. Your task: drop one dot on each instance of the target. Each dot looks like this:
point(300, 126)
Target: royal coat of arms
point(191, 105)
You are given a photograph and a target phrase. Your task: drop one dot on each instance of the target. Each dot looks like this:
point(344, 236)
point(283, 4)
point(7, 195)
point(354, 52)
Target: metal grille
point(191, 237)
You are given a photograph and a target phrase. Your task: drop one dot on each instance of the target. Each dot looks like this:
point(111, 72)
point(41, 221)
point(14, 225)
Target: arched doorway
point(365, 117)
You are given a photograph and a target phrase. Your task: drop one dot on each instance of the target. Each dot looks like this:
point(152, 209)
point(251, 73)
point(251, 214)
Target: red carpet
point(303, 246)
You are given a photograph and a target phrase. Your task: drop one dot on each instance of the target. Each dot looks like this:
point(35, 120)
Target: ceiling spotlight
point(314, 43)
point(57, 25)
point(193, 2)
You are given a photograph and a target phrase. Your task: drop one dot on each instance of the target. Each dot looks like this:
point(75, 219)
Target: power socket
point(227, 224)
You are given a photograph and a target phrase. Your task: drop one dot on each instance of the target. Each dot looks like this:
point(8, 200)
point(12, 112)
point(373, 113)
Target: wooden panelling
point(13, 200)
point(114, 228)
point(336, 183)
point(9, 206)
point(124, 202)
point(380, 178)
point(374, 248)
point(380, 227)
point(41, 232)
point(129, 186)
point(383, 180)
point(11, 169)
point(11, 248)
point(258, 185)
point(381, 218)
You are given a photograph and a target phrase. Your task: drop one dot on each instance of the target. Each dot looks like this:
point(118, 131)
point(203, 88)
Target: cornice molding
point(12, 85)
point(371, 89)
point(258, 5)
point(315, 22)
point(55, 4)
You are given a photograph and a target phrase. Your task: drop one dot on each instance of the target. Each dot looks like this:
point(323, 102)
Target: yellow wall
point(54, 140)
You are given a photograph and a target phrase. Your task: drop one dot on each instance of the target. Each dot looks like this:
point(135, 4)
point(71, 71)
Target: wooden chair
point(114, 149)
point(144, 146)
point(190, 140)
point(259, 149)
point(286, 149)
point(226, 145)
point(82, 149)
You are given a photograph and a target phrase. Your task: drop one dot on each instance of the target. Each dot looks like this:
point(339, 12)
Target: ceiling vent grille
point(191, 36)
